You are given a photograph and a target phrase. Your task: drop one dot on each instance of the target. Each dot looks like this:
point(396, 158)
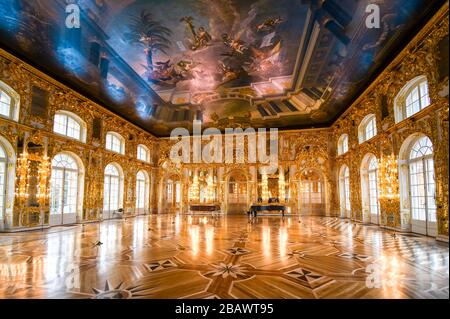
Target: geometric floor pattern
point(183, 256)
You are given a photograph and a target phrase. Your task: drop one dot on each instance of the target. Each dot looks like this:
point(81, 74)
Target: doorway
point(311, 193)
point(237, 193)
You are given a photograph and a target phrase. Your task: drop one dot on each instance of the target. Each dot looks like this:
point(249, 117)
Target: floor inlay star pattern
point(170, 256)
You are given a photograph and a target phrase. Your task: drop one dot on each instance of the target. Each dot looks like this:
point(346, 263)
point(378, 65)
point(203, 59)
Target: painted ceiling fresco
point(262, 63)
point(204, 45)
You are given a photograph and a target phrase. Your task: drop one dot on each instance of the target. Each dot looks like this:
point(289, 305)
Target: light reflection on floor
point(179, 256)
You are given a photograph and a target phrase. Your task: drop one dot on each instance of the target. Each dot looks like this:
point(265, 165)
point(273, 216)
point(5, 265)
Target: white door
point(64, 190)
point(422, 188)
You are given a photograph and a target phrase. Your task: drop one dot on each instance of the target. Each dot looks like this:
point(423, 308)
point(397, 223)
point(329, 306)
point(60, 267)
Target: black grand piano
point(272, 205)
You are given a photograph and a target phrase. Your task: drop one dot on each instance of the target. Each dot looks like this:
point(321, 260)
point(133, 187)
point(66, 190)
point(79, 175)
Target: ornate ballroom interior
point(93, 206)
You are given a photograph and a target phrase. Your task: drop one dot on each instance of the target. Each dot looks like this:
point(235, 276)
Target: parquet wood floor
point(170, 256)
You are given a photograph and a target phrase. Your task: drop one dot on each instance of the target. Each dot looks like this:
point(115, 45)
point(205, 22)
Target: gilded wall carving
point(39, 131)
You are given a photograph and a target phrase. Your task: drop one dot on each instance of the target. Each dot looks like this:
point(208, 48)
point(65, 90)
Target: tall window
point(9, 102)
point(65, 187)
point(369, 187)
point(367, 129)
point(142, 191)
point(422, 185)
point(143, 154)
point(112, 189)
point(115, 143)
point(343, 144)
point(344, 189)
point(412, 98)
point(3, 165)
point(70, 125)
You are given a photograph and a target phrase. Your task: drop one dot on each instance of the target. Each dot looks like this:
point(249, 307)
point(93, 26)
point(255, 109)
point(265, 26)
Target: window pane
point(60, 124)
point(373, 191)
point(343, 145)
point(417, 99)
point(56, 193)
point(424, 97)
point(66, 125)
point(142, 153)
point(73, 129)
point(5, 104)
point(114, 143)
point(106, 193)
point(70, 192)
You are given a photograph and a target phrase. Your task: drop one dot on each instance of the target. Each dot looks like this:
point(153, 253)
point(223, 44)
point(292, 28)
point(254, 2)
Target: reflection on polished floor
point(168, 256)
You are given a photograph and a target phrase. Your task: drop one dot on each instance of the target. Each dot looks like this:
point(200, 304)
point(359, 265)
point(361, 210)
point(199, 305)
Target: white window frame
point(422, 186)
point(9, 96)
point(68, 119)
point(142, 149)
point(343, 144)
point(404, 107)
point(112, 139)
point(367, 128)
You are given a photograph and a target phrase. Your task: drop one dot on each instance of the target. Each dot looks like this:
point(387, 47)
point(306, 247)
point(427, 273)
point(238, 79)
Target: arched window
point(344, 190)
point(143, 154)
point(9, 102)
point(367, 129)
point(343, 144)
point(369, 188)
point(422, 187)
point(7, 177)
point(142, 192)
point(65, 189)
point(115, 142)
point(412, 98)
point(70, 125)
point(113, 191)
